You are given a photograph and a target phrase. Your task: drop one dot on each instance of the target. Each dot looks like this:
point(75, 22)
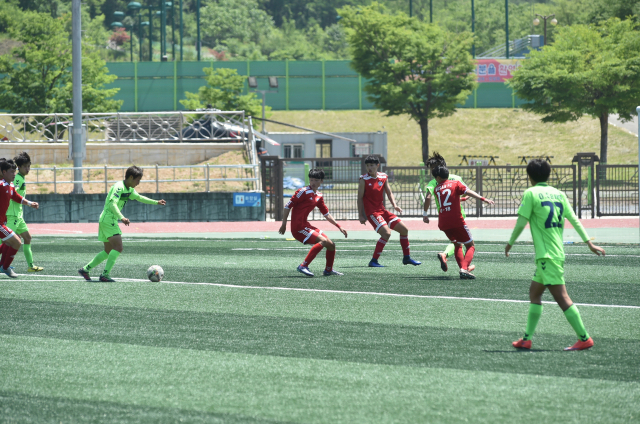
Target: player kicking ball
point(10, 241)
point(545, 209)
point(450, 219)
point(108, 230)
point(303, 201)
point(371, 190)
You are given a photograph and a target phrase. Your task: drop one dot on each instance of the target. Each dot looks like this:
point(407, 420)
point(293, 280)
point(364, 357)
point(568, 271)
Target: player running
point(371, 190)
point(303, 201)
point(15, 219)
point(108, 230)
point(450, 219)
point(10, 241)
point(545, 209)
point(432, 163)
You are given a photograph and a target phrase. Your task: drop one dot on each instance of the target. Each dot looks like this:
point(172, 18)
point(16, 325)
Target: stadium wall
point(194, 207)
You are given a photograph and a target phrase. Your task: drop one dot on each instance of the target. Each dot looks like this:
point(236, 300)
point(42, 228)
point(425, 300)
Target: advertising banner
point(496, 70)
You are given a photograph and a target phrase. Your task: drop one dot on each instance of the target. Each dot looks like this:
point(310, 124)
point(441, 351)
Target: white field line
point(417, 296)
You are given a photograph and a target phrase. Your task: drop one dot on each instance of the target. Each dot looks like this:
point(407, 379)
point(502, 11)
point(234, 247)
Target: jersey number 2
point(549, 223)
point(446, 199)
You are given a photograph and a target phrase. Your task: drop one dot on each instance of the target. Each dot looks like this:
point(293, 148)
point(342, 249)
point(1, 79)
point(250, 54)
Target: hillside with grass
point(507, 133)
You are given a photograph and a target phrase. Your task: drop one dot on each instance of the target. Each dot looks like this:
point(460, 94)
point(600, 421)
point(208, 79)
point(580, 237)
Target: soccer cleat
point(85, 274)
point(466, 275)
point(106, 279)
point(443, 261)
point(305, 271)
point(471, 268)
point(10, 272)
point(332, 272)
point(373, 263)
point(522, 344)
point(581, 345)
point(408, 261)
point(34, 268)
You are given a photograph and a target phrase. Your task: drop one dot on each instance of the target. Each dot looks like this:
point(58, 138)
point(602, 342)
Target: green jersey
point(546, 209)
point(431, 187)
point(118, 196)
point(15, 209)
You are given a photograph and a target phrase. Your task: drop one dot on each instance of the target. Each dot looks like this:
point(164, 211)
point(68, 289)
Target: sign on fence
point(247, 199)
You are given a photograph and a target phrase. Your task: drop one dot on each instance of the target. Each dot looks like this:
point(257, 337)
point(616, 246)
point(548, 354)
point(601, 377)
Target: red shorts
point(379, 218)
point(306, 235)
point(459, 234)
point(5, 233)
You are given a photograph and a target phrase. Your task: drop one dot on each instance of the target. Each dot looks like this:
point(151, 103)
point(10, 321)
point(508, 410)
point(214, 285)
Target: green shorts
point(108, 229)
point(549, 272)
point(17, 224)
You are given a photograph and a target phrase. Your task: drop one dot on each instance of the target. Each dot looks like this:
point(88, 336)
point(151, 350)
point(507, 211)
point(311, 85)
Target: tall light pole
point(140, 36)
point(198, 45)
point(506, 23)
point(553, 21)
point(76, 68)
point(473, 28)
point(163, 29)
point(181, 31)
point(253, 83)
point(134, 6)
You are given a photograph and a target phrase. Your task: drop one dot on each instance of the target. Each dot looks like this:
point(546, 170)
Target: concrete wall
point(123, 153)
point(339, 148)
point(195, 207)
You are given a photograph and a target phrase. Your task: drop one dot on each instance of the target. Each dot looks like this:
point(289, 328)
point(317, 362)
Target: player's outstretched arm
point(285, 216)
point(425, 211)
point(477, 196)
point(33, 205)
point(361, 215)
point(329, 218)
point(387, 190)
point(162, 202)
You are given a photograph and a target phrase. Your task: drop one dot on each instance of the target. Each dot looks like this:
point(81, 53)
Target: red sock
point(331, 255)
point(459, 256)
point(7, 256)
point(404, 242)
point(379, 247)
point(468, 257)
point(312, 254)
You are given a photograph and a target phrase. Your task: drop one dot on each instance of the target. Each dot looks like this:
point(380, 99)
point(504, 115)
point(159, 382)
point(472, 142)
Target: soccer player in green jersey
point(15, 220)
point(108, 231)
point(545, 209)
point(432, 163)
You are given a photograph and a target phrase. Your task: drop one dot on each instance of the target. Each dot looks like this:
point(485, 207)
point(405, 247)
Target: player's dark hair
point(317, 174)
point(440, 171)
point(372, 159)
point(436, 160)
point(539, 170)
point(22, 158)
point(133, 171)
point(6, 164)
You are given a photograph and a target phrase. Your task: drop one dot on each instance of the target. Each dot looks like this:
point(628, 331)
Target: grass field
point(235, 335)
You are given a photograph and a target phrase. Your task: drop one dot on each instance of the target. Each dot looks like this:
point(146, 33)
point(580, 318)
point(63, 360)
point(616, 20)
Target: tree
point(589, 70)
point(224, 91)
point(41, 82)
point(413, 68)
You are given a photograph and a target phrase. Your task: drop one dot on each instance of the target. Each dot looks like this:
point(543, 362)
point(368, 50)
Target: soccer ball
point(155, 273)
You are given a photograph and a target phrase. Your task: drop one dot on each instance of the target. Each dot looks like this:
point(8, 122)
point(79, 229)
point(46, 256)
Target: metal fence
point(617, 190)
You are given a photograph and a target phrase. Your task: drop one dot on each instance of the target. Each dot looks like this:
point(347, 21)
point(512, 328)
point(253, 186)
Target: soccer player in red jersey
point(371, 190)
point(450, 219)
point(10, 241)
point(303, 202)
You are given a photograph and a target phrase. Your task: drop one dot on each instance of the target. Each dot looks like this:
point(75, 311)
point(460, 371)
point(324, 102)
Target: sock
point(28, 254)
point(111, 261)
point(468, 257)
point(97, 260)
point(404, 242)
point(7, 256)
point(535, 312)
point(379, 247)
point(449, 250)
point(573, 316)
point(331, 255)
point(313, 252)
point(459, 256)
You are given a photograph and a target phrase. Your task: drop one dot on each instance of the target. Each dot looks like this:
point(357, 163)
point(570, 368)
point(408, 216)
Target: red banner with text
point(496, 70)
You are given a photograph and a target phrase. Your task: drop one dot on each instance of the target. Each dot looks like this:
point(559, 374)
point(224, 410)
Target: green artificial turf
point(234, 334)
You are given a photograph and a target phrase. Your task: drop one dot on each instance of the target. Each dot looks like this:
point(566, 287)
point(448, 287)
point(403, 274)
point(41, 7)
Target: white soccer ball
point(155, 273)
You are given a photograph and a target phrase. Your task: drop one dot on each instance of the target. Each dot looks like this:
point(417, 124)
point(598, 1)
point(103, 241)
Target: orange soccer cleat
point(522, 344)
point(581, 345)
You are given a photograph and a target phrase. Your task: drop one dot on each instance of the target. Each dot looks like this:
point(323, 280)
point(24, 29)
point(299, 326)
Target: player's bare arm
point(33, 205)
point(427, 204)
point(162, 202)
point(125, 221)
point(475, 195)
point(329, 218)
point(595, 249)
point(387, 190)
point(283, 227)
point(361, 214)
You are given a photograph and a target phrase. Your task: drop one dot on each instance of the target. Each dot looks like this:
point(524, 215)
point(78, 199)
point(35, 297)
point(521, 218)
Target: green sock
point(449, 250)
point(28, 254)
point(113, 256)
point(535, 312)
point(573, 316)
point(99, 258)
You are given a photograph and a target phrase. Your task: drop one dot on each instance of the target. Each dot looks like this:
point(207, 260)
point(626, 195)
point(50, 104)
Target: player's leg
point(308, 235)
point(28, 254)
point(385, 234)
point(535, 312)
point(326, 242)
point(559, 292)
point(465, 237)
point(116, 249)
point(10, 245)
point(105, 231)
point(397, 225)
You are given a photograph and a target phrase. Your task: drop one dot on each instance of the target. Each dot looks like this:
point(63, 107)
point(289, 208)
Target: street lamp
point(142, 24)
point(553, 21)
point(133, 7)
point(253, 83)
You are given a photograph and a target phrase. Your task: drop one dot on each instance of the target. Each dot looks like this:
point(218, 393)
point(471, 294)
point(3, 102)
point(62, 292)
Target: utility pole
point(76, 69)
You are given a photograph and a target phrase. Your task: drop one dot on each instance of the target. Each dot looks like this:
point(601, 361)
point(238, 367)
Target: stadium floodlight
point(273, 82)
point(253, 82)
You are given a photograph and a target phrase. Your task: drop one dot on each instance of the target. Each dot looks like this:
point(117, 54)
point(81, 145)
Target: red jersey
point(373, 198)
point(450, 215)
point(7, 194)
point(303, 201)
